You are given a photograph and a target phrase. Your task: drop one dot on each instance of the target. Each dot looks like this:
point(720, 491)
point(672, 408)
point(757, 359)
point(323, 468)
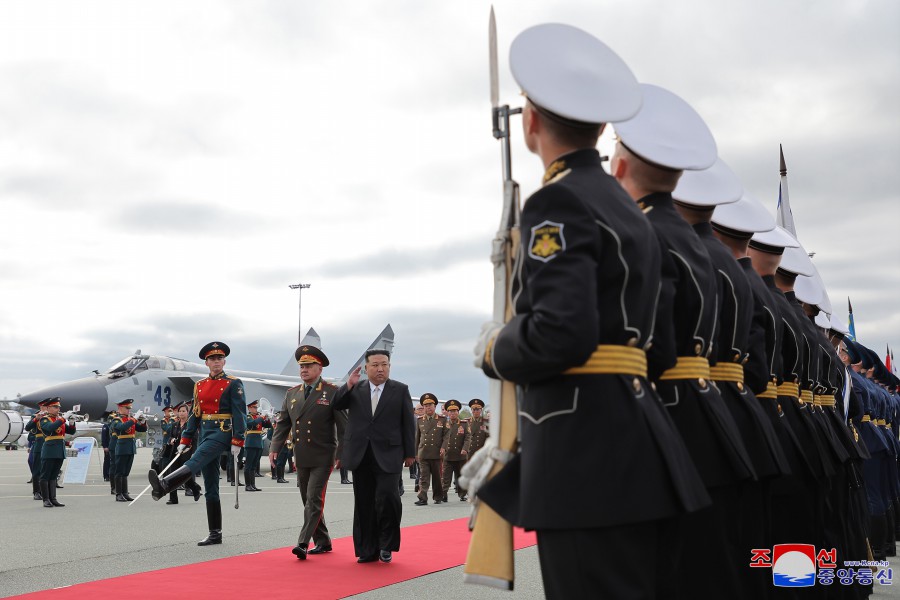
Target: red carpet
point(327, 576)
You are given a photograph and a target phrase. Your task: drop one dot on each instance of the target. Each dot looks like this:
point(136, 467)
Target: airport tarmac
point(97, 538)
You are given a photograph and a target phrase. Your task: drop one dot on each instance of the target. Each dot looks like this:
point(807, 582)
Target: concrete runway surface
point(99, 538)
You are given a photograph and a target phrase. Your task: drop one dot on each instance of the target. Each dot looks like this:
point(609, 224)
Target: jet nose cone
point(87, 392)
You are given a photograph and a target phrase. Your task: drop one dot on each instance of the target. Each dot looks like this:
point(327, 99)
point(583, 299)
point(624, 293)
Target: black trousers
point(625, 562)
point(376, 508)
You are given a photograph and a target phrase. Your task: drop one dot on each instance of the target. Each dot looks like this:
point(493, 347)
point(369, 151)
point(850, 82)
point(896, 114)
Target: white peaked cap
point(796, 260)
point(714, 186)
point(573, 74)
point(778, 237)
point(668, 132)
point(807, 290)
point(839, 325)
point(823, 321)
point(747, 215)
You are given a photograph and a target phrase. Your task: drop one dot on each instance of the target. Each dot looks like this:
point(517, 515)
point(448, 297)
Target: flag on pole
point(850, 324)
point(784, 217)
point(887, 360)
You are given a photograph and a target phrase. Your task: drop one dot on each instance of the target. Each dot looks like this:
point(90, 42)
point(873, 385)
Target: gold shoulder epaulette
point(556, 178)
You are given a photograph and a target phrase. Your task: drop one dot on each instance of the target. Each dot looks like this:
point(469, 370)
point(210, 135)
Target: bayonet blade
point(492, 51)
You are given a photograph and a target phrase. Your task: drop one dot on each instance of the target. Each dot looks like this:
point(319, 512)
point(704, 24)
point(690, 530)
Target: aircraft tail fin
point(312, 338)
point(384, 341)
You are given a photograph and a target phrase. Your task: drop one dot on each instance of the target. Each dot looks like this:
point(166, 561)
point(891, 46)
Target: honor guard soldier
point(430, 432)
point(113, 442)
point(317, 429)
point(585, 287)
point(478, 426)
point(126, 427)
point(53, 453)
point(219, 411)
point(33, 428)
point(253, 444)
point(666, 138)
point(455, 448)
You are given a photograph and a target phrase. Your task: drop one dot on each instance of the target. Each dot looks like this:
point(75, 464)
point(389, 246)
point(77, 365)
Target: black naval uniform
point(730, 355)
point(587, 275)
point(686, 323)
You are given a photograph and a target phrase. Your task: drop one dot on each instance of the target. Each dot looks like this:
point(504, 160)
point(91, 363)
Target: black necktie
point(306, 391)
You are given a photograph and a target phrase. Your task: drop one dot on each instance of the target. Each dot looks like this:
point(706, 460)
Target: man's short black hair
point(378, 353)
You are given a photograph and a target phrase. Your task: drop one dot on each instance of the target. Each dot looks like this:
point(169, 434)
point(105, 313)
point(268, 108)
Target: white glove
point(235, 450)
point(489, 331)
point(476, 469)
point(182, 448)
point(71, 418)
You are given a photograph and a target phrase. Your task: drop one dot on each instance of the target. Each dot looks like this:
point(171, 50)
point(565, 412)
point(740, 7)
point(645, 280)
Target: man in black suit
point(378, 443)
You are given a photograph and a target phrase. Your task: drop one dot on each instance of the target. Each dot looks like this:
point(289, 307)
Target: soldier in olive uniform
point(478, 426)
point(33, 427)
point(126, 427)
point(253, 445)
point(53, 453)
point(317, 429)
point(455, 447)
point(430, 432)
point(220, 412)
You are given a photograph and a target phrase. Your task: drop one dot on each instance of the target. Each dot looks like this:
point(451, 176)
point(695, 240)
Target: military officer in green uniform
point(125, 427)
point(455, 447)
point(430, 432)
point(33, 427)
point(53, 453)
point(478, 426)
point(253, 445)
point(317, 429)
point(220, 413)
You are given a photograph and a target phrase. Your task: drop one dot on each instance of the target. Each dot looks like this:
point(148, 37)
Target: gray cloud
point(186, 216)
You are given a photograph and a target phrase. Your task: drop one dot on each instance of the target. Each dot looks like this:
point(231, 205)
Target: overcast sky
point(168, 168)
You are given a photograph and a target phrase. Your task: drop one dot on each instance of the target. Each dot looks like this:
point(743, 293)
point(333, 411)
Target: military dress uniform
point(125, 427)
point(253, 446)
point(430, 433)
point(219, 413)
point(457, 441)
point(317, 429)
point(33, 428)
point(478, 430)
point(53, 453)
point(113, 441)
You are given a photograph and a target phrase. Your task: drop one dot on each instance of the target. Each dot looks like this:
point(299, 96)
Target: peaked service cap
point(796, 260)
point(669, 133)
point(570, 73)
point(747, 215)
point(777, 237)
point(714, 186)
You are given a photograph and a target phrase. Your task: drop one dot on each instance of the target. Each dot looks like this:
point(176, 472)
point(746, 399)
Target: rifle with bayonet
point(490, 557)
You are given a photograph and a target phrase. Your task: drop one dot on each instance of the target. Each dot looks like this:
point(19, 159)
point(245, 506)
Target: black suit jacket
point(391, 430)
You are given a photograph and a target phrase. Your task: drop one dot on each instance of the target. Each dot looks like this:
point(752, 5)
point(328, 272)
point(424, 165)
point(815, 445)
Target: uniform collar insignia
point(555, 168)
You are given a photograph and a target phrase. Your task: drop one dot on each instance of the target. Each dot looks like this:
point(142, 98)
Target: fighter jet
point(155, 382)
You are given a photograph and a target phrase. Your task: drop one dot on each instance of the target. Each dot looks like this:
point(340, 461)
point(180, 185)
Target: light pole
point(301, 287)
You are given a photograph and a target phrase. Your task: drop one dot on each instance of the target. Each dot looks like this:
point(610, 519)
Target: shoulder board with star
point(330, 386)
point(230, 377)
point(299, 385)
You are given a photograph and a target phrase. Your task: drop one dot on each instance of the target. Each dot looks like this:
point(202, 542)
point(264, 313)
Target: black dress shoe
point(319, 549)
point(346, 481)
point(384, 556)
point(462, 498)
point(299, 551)
point(366, 559)
point(421, 502)
point(439, 500)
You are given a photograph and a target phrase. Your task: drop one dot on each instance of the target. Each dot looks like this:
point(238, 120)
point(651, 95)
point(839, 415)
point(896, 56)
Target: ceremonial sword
point(163, 472)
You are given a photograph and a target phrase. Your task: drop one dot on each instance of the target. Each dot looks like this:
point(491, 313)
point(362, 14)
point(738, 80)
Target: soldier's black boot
point(214, 518)
point(112, 484)
point(119, 496)
point(125, 489)
point(173, 497)
point(251, 481)
point(52, 491)
point(36, 488)
point(57, 482)
point(281, 478)
point(45, 493)
point(193, 488)
point(170, 482)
